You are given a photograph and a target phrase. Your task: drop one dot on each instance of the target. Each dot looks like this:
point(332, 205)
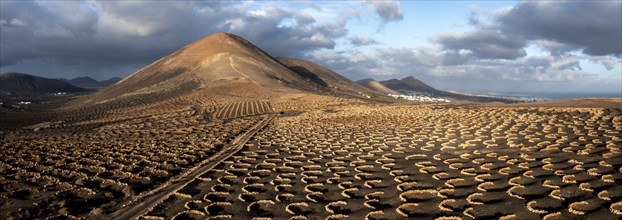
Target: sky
point(539, 48)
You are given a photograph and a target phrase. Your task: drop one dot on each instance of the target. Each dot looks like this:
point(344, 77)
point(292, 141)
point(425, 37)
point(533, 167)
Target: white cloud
point(388, 10)
point(484, 43)
point(608, 62)
point(437, 63)
point(17, 22)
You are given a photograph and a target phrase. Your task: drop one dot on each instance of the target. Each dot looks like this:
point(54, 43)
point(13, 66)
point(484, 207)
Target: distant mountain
point(85, 82)
point(377, 86)
point(414, 82)
point(410, 84)
point(20, 84)
point(110, 81)
point(90, 83)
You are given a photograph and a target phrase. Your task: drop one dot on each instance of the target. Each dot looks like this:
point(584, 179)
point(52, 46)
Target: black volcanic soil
point(420, 162)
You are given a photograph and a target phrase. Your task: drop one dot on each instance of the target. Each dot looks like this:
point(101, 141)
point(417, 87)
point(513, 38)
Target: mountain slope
point(110, 81)
point(324, 76)
point(20, 84)
point(417, 84)
point(216, 60)
point(84, 82)
point(377, 86)
point(90, 83)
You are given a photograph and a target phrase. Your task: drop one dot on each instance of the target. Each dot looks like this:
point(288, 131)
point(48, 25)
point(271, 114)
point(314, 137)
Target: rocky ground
point(320, 158)
point(428, 162)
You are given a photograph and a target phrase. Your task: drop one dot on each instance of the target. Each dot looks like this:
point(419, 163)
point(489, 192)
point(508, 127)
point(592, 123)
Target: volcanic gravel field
point(432, 162)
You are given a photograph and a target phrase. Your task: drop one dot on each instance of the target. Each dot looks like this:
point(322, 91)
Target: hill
point(411, 84)
point(110, 81)
point(90, 83)
point(221, 76)
point(84, 82)
point(221, 59)
point(377, 86)
point(24, 85)
point(334, 82)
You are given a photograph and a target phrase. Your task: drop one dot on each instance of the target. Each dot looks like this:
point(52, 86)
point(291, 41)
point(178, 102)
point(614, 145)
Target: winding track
point(138, 208)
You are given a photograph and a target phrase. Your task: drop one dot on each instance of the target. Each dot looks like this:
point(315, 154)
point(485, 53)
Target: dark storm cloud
point(486, 44)
point(25, 27)
point(387, 10)
point(595, 26)
point(103, 36)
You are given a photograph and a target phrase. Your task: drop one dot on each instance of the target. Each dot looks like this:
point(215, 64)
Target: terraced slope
point(239, 109)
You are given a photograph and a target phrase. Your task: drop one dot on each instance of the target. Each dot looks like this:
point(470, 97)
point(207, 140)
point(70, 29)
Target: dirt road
point(135, 209)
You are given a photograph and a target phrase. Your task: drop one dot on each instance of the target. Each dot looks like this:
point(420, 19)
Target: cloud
point(75, 32)
point(436, 63)
point(593, 26)
point(485, 44)
point(554, 47)
point(286, 32)
point(15, 22)
point(563, 28)
point(423, 57)
point(608, 62)
point(114, 38)
point(387, 10)
point(106, 34)
point(362, 41)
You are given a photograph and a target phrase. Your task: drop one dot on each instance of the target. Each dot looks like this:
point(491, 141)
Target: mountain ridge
point(90, 83)
point(409, 83)
point(378, 87)
point(223, 59)
point(22, 84)
point(335, 82)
